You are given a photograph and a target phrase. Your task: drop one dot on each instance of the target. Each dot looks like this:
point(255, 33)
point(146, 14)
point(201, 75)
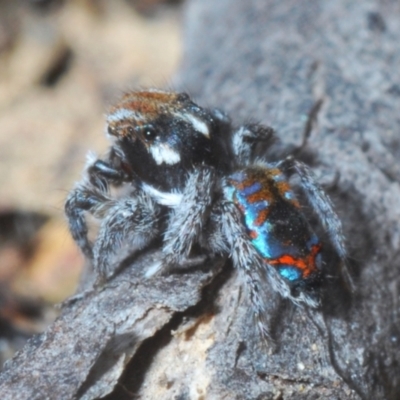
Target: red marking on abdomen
point(306, 265)
point(261, 217)
point(255, 197)
point(253, 234)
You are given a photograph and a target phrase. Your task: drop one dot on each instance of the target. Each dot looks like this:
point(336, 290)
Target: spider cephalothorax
point(193, 178)
point(163, 134)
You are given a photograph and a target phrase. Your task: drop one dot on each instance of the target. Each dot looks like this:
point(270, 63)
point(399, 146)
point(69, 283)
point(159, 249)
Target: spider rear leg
point(323, 207)
point(245, 258)
point(319, 201)
point(247, 139)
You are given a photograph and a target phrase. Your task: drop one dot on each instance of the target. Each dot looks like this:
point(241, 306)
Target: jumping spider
point(194, 179)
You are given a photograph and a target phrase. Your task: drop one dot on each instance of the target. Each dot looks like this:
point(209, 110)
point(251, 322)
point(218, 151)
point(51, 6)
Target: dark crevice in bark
point(135, 372)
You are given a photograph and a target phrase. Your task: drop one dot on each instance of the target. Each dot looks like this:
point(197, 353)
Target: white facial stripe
point(121, 114)
point(163, 198)
point(197, 123)
point(162, 153)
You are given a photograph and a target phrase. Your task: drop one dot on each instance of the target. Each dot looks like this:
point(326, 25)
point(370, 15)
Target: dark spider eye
point(112, 131)
point(149, 133)
point(131, 131)
point(183, 97)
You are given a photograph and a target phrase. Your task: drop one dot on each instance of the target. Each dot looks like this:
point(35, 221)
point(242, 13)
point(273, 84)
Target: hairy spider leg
point(131, 220)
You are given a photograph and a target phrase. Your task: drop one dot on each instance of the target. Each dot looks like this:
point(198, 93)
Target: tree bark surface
point(327, 70)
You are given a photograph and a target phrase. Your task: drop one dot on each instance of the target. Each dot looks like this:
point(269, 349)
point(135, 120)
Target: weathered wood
point(274, 61)
point(86, 350)
point(330, 68)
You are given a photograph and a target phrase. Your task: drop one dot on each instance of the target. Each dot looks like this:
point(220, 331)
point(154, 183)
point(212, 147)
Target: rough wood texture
point(330, 68)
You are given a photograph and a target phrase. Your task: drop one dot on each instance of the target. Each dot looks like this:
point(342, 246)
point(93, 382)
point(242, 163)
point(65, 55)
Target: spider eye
point(149, 133)
point(111, 130)
point(183, 97)
point(131, 131)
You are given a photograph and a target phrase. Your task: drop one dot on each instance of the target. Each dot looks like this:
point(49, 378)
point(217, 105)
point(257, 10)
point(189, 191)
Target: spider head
point(163, 135)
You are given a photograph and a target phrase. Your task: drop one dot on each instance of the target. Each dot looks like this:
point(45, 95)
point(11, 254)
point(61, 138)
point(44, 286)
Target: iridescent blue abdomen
point(278, 229)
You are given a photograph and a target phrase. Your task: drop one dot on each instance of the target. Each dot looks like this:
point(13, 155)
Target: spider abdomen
point(278, 229)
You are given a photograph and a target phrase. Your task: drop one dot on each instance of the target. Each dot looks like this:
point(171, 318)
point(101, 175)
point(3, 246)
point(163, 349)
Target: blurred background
point(62, 64)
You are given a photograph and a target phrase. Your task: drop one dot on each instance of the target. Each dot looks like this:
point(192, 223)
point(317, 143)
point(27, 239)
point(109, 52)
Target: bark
point(327, 69)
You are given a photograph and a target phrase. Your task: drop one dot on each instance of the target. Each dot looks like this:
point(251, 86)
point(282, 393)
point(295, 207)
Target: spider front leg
point(187, 216)
point(82, 199)
point(91, 195)
point(130, 220)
